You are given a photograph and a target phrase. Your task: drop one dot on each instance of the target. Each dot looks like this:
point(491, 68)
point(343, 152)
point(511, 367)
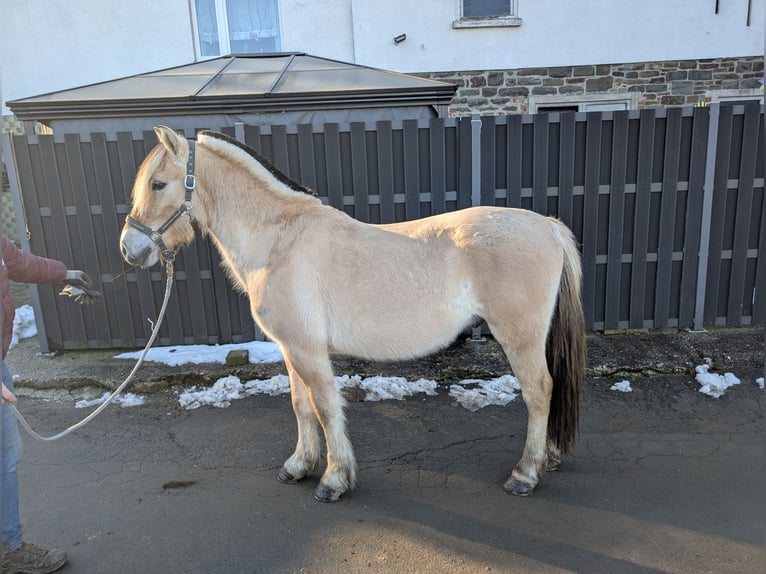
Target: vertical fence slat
point(647, 124)
point(359, 172)
point(590, 213)
point(411, 169)
point(487, 160)
point(465, 166)
point(720, 191)
point(749, 148)
point(694, 203)
point(513, 161)
point(334, 168)
point(386, 171)
point(566, 167)
point(667, 217)
point(616, 219)
point(540, 164)
point(437, 149)
point(306, 156)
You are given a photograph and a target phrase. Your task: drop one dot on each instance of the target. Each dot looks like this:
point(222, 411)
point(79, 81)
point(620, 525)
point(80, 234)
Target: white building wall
point(554, 33)
point(51, 45)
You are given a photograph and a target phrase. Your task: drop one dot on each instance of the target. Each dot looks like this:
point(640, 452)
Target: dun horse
point(320, 282)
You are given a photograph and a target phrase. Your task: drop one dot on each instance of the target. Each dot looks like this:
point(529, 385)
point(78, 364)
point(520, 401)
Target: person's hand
point(8, 395)
point(80, 287)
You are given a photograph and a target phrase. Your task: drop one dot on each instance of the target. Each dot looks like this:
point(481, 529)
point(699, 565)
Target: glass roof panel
point(240, 85)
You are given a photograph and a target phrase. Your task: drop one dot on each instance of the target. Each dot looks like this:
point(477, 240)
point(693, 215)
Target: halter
point(190, 182)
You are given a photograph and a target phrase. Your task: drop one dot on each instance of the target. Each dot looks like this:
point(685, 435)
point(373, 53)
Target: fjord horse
point(320, 282)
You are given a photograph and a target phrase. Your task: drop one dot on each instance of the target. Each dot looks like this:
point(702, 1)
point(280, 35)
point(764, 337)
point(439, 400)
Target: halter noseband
point(190, 182)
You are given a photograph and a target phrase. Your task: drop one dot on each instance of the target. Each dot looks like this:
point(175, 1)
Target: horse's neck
point(246, 214)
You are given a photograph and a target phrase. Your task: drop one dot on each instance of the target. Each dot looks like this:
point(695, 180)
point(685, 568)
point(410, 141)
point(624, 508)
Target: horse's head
point(161, 195)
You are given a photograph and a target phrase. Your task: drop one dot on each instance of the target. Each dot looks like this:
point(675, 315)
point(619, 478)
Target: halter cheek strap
point(190, 182)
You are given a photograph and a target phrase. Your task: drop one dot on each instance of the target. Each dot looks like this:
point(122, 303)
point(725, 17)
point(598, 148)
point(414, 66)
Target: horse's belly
point(387, 331)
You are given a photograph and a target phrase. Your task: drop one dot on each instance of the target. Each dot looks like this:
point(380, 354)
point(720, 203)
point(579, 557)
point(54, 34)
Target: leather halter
point(190, 182)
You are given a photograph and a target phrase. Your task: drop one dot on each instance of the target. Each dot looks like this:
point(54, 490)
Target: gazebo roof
point(238, 84)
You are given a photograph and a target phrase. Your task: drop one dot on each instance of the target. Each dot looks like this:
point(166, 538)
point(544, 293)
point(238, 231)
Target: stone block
point(513, 91)
point(682, 88)
point(544, 91)
point(583, 70)
point(560, 72)
point(599, 84)
point(676, 75)
point(237, 357)
point(698, 75)
point(495, 78)
point(533, 72)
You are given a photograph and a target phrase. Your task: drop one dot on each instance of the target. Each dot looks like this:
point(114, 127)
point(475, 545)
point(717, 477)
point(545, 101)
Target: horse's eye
point(158, 185)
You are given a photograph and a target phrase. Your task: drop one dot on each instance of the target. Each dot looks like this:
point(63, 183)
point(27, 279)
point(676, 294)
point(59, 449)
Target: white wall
point(51, 45)
point(554, 33)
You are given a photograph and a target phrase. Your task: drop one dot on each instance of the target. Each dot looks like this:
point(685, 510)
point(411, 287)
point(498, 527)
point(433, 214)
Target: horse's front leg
point(308, 449)
point(315, 371)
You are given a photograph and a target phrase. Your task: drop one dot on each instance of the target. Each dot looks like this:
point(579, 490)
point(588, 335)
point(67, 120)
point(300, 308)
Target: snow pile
point(24, 325)
point(622, 386)
point(713, 384)
point(125, 400)
point(499, 391)
point(384, 388)
point(231, 388)
point(259, 352)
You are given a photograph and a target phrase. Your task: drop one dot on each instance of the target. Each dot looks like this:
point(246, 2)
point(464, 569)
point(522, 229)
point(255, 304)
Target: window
point(487, 13)
point(583, 103)
point(237, 27)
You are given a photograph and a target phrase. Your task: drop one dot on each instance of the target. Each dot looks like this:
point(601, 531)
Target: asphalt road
point(663, 479)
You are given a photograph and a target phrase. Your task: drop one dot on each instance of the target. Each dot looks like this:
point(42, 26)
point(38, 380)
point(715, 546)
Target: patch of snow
point(622, 386)
point(499, 391)
point(714, 384)
point(124, 400)
point(759, 380)
point(383, 388)
point(24, 325)
point(258, 351)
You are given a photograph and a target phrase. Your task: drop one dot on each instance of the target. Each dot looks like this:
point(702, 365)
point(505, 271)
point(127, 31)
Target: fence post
point(475, 159)
point(707, 213)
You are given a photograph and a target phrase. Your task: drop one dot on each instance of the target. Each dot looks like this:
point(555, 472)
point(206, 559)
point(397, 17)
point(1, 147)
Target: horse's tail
point(565, 348)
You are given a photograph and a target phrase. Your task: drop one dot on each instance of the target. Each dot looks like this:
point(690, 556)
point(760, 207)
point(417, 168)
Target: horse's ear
point(169, 138)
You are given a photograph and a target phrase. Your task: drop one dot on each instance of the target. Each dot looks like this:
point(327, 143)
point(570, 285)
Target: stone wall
point(670, 83)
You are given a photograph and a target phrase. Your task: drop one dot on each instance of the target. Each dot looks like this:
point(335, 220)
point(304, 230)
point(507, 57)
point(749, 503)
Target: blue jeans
point(11, 454)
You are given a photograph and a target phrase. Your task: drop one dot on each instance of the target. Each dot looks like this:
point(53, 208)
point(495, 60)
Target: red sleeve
point(23, 267)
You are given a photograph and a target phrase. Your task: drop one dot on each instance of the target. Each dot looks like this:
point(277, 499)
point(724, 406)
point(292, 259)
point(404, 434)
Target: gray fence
point(668, 205)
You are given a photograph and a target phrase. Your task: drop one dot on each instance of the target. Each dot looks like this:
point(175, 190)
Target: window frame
point(511, 20)
point(223, 30)
point(630, 99)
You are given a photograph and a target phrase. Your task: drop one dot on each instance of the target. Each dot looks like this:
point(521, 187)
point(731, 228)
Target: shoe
point(29, 559)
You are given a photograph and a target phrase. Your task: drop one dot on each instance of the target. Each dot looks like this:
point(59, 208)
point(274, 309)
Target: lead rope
point(101, 407)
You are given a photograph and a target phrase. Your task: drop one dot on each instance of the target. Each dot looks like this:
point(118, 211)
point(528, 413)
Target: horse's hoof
point(287, 478)
point(553, 464)
point(327, 494)
point(518, 488)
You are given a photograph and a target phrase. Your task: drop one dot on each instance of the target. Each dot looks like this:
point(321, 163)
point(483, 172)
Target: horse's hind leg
point(527, 357)
point(308, 449)
point(315, 371)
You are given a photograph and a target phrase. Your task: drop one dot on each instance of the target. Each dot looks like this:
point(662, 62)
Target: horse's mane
point(272, 169)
